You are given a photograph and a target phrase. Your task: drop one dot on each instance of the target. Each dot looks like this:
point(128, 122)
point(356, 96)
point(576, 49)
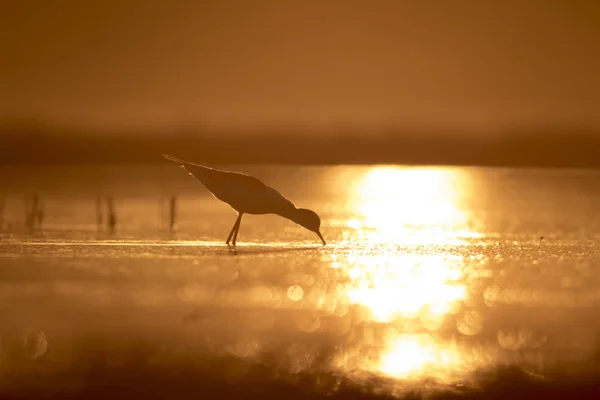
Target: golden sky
point(371, 62)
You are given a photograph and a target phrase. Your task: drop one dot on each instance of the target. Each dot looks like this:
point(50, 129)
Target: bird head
point(310, 220)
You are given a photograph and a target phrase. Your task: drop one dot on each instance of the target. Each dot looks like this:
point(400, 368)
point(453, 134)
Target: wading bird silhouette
point(249, 195)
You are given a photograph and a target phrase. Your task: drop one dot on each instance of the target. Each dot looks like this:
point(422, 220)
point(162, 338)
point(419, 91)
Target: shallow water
point(434, 281)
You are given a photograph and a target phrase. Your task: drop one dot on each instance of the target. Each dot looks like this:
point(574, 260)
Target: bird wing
point(243, 192)
point(254, 195)
point(247, 182)
point(203, 173)
point(215, 179)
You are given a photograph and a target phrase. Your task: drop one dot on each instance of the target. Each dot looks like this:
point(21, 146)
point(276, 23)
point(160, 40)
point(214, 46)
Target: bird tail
point(196, 170)
point(178, 160)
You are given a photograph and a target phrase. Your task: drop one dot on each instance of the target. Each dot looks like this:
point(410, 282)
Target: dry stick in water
point(540, 245)
point(31, 210)
point(172, 212)
point(112, 216)
point(2, 204)
point(39, 215)
point(34, 209)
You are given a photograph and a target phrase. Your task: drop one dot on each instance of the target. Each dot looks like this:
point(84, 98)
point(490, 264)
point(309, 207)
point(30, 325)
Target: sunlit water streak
point(409, 292)
point(403, 302)
point(411, 205)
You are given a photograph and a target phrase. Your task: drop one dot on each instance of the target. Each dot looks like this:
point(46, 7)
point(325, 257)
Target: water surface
point(435, 281)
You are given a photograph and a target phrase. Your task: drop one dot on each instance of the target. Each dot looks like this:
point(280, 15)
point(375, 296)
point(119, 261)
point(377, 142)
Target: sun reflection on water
point(410, 354)
point(410, 205)
point(403, 285)
point(407, 296)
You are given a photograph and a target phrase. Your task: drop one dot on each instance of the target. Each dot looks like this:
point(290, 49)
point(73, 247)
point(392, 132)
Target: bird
point(247, 194)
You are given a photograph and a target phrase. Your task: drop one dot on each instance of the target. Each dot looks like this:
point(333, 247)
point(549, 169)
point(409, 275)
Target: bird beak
point(321, 237)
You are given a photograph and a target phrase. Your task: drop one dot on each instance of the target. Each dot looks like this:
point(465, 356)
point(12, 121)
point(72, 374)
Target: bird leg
point(235, 227)
point(238, 228)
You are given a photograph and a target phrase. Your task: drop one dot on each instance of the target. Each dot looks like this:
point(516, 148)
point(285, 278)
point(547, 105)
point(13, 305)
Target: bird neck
point(290, 213)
